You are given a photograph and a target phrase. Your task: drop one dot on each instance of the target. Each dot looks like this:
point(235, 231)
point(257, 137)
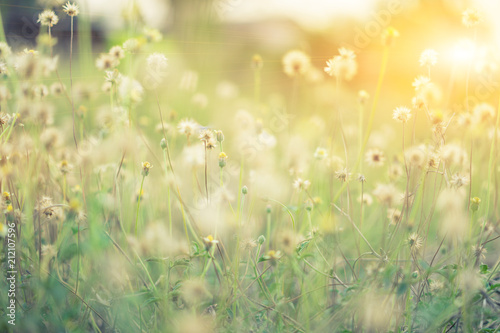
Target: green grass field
point(152, 183)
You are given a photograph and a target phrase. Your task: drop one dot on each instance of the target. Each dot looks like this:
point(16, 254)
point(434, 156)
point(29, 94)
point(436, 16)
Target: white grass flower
point(428, 58)
point(157, 62)
point(117, 52)
point(420, 83)
point(106, 62)
point(188, 127)
point(471, 18)
point(48, 18)
point(300, 184)
point(320, 153)
point(375, 157)
point(342, 66)
point(401, 114)
point(343, 175)
point(296, 63)
point(415, 242)
point(458, 180)
point(71, 9)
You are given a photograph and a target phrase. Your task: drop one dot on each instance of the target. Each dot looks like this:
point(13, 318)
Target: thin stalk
point(138, 204)
point(383, 68)
point(71, 83)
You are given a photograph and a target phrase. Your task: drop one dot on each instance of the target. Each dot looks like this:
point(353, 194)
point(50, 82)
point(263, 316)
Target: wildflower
point(484, 113)
point(389, 35)
point(479, 251)
point(366, 199)
point(363, 96)
point(301, 184)
point(117, 52)
point(272, 256)
point(209, 241)
point(415, 242)
point(48, 18)
point(361, 178)
point(146, 166)
point(416, 156)
point(471, 18)
point(343, 175)
point(65, 167)
point(113, 77)
point(131, 45)
point(320, 153)
point(222, 159)
point(394, 215)
point(428, 58)
point(71, 9)
point(244, 190)
point(375, 157)
point(401, 114)
point(386, 193)
point(219, 136)
point(342, 66)
point(474, 204)
point(106, 62)
point(296, 63)
point(257, 62)
point(56, 88)
point(130, 89)
point(458, 180)
point(436, 285)
point(157, 62)
point(420, 83)
point(152, 35)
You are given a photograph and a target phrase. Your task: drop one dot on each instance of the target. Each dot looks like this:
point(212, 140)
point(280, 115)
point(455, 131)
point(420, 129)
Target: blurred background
point(218, 38)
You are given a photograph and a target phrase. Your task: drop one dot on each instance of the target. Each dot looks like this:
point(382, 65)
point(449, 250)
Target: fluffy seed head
point(71, 9)
point(401, 114)
point(48, 18)
point(296, 63)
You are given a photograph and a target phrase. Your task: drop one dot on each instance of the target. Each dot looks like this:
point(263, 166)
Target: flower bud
point(261, 239)
point(244, 190)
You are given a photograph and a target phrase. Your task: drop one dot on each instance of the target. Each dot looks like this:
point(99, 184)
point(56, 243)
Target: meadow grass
point(145, 196)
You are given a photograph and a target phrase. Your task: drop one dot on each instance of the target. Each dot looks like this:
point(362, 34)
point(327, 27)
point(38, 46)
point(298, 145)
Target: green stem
point(138, 203)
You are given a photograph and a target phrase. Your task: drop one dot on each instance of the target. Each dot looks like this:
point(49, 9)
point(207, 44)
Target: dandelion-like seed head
point(342, 66)
point(401, 114)
point(71, 9)
point(48, 18)
point(343, 175)
point(300, 184)
point(471, 17)
point(415, 242)
point(188, 127)
point(296, 63)
point(117, 52)
point(157, 62)
point(458, 180)
point(428, 58)
point(375, 157)
point(363, 96)
point(420, 83)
